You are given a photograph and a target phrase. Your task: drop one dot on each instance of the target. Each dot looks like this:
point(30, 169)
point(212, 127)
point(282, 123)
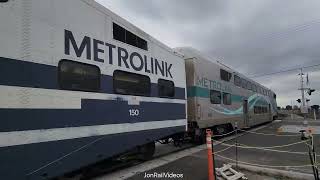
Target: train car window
point(123, 35)
point(215, 97)
point(227, 98)
point(260, 90)
point(131, 39)
point(131, 83)
point(119, 33)
point(165, 88)
point(244, 83)
point(249, 85)
point(142, 43)
point(237, 80)
point(225, 75)
point(78, 76)
point(254, 87)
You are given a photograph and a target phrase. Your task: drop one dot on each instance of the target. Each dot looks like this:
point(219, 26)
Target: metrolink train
point(79, 85)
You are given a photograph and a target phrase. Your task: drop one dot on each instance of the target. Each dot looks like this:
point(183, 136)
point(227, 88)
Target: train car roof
point(129, 25)
point(189, 53)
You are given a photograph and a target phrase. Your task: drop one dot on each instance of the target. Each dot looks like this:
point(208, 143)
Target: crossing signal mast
point(304, 108)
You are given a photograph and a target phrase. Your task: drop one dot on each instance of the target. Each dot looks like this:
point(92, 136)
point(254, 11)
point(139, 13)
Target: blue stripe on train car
point(28, 74)
point(34, 160)
point(93, 112)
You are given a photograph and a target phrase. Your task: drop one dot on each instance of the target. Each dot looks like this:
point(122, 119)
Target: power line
point(283, 71)
point(296, 28)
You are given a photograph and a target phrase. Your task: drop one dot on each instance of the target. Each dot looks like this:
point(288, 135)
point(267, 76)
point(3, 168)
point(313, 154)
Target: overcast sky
point(253, 36)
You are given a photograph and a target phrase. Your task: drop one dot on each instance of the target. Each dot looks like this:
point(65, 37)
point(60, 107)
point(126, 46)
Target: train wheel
point(147, 151)
point(221, 129)
point(200, 136)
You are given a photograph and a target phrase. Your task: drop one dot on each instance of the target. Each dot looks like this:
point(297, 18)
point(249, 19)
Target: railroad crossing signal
point(310, 91)
point(299, 100)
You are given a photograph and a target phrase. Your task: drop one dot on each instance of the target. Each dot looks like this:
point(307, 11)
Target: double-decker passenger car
point(219, 96)
point(78, 85)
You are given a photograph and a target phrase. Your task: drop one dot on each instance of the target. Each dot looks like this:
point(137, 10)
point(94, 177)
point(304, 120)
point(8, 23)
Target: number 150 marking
point(134, 112)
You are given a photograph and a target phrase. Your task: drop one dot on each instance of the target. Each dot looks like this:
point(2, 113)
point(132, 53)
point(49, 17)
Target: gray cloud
point(254, 37)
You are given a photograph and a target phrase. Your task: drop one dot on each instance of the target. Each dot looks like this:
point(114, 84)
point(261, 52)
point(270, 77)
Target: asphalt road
point(274, 158)
point(194, 166)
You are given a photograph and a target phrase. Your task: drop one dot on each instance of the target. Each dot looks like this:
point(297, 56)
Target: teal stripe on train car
point(194, 91)
point(237, 98)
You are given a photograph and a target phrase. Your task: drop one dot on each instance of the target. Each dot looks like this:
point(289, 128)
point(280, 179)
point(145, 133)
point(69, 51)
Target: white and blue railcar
point(80, 84)
point(219, 97)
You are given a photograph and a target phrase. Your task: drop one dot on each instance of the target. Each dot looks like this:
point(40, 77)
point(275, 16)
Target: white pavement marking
point(297, 128)
point(146, 166)
point(276, 172)
point(45, 135)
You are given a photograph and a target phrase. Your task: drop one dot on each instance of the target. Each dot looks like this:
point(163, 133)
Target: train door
point(245, 113)
point(270, 113)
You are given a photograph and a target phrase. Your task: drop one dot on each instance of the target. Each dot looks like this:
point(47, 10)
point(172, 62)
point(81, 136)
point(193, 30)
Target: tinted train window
point(225, 75)
point(123, 35)
point(227, 98)
point(215, 97)
point(263, 110)
point(259, 110)
point(131, 83)
point(119, 33)
point(142, 43)
point(237, 80)
point(131, 38)
point(244, 83)
point(254, 87)
point(78, 76)
point(249, 85)
point(165, 88)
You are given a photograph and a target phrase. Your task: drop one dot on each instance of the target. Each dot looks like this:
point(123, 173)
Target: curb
point(276, 172)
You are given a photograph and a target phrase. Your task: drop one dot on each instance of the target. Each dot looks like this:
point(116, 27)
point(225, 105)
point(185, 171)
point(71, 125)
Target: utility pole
point(291, 110)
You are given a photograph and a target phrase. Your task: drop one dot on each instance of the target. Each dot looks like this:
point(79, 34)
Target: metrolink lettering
point(95, 50)
point(211, 84)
